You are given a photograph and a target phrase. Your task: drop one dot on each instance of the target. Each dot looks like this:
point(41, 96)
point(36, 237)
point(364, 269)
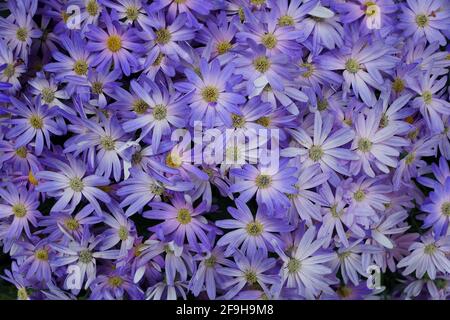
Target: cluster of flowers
point(98, 201)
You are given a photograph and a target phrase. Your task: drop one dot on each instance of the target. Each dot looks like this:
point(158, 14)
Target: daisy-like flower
point(374, 145)
point(375, 14)
point(259, 69)
point(266, 31)
point(37, 257)
point(121, 229)
point(77, 62)
point(271, 184)
point(427, 256)
point(105, 141)
point(157, 112)
point(335, 216)
point(212, 99)
point(21, 205)
point(248, 271)
point(163, 39)
point(115, 45)
point(425, 18)
point(252, 233)
point(142, 188)
point(47, 90)
point(11, 70)
point(71, 183)
point(437, 205)
point(182, 221)
point(365, 196)
point(21, 159)
point(431, 105)
point(19, 30)
point(325, 147)
point(362, 65)
point(306, 266)
point(32, 121)
point(83, 253)
point(130, 11)
point(291, 13)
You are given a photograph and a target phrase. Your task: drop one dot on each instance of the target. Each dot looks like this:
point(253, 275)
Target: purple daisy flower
point(438, 208)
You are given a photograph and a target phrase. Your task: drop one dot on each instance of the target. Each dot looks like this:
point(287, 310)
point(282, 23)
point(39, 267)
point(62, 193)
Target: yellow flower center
point(263, 181)
point(286, 21)
point(269, 40)
point(173, 160)
point(264, 121)
point(315, 153)
point(254, 229)
point(238, 121)
point(261, 64)
point(140, 106)
point(398, 85)
point(115, 281)
point(364, 145)
point(114, 43)
point(22, 34)
point(80, 67)
point(359, 195)
point(132, 13)
point(36, 121)
point(210, 94)
point(22, 152)
point(9, 71)
point(163, 36)
point(352, 66)
point(19, 210)
point(445, 208)
point(92, 7)
point(72, 224)
point(85, 256)
point(76, 184)
point(421, 20)
point(42, 254)
point(184, 216)
point(123, 233)
point(48, 95)
point(427, 97)
point(223, 47)
point(160, 112)
point(309, 70)
point(293, 265)
point(108, 143)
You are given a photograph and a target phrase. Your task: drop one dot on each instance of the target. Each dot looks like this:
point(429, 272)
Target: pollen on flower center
point(264, 121)
point(85, 256)
point(123, 233)
point(263, 181)
point(445, 208)
point(36, 121)
point(359, 195)
point(254, 228)
point(92, 7)
point(76, 184)
point(352, 66)
point(184, 216)
point(233, 153)
point(238, 121)
point(430, 248)
point(309, 69)
point(48, 95)
point(372, 9)
point(158, 60)
point(114, 43)
point(115, 281)
point(223, 47)
point(22, 294)
point(108, 143)
point(97, 87)
point(9, 71)
point(42, 254)
point(140, 106)
point(22, 152)
point(262, 64)
point(257, 2)
point(334, 212)
point(293, 265)
point(344, 291)
point(163, 36)
point(364, 145)
point(427, 97)
point(22, 34)
point(398, 85)
point(269, 40)
point(157, 190)
point(80, 67)
point(210, 94)
point(160, 112)
point(72, 224)
point(132, 13)
point(315, 153)
point(19, 210)
point(173, 160)
point(322, 104)
point(421, 20)
point(285, 21)
point(250, 276)
point(210, 262)
point(410, 158)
